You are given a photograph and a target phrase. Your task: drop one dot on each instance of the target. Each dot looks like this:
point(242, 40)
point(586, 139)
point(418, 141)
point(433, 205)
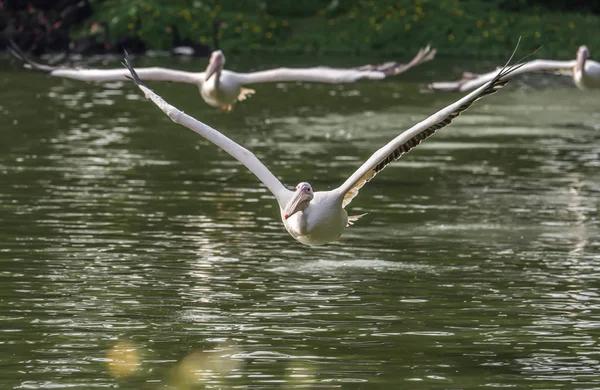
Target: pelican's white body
point(323, 221)
point(221, 91)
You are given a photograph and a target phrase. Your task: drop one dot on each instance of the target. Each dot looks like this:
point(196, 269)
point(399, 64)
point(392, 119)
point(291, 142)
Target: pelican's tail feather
point(354, 218)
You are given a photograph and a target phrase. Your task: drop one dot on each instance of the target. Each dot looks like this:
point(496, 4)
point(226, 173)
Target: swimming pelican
point(317, 218)
point(585, 73)
point(223, 88)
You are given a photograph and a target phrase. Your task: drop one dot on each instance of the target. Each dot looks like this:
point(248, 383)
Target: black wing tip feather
point(18, 53)
point(15, 50)
point(129, 66)
point(508, 69)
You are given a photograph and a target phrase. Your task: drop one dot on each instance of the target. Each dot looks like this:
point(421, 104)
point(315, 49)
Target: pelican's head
point(583, 53)
point(300, 200)
point(216, 63)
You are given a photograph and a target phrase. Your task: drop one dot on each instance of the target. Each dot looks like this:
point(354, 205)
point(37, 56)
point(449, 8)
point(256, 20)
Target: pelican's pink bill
point(302, 196)
point(215, 64)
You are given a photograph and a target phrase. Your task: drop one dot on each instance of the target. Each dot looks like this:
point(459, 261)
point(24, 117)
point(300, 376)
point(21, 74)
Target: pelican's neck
point(297, 224)
point(580, 64)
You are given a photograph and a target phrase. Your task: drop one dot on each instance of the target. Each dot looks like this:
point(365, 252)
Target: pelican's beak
point(296, 203)
point(216, 64)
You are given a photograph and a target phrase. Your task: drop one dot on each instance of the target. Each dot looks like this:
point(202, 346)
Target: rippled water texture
point(136, 255)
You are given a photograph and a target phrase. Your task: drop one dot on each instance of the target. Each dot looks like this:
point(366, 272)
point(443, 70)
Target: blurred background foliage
point(359, 26)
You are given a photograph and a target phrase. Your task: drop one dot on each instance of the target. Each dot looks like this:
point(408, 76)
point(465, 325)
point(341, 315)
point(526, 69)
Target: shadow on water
point(136, 255)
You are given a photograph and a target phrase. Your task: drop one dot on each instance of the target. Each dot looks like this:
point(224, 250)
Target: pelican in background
point(585, 73)
point(317, 218)
point(223, 88)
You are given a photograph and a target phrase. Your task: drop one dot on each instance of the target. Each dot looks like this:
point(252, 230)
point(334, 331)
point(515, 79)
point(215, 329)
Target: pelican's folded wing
point(471, 81)
point(323, 74)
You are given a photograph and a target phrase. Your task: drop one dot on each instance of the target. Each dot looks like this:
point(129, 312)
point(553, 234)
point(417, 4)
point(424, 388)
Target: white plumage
point(585, 73)
point(223, 88)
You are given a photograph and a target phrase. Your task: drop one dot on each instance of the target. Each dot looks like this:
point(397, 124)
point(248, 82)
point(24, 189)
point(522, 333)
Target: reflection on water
point(135, 254)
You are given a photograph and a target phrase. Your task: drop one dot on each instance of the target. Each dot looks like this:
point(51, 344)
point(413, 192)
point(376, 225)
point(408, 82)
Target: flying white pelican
point(317, 218)
point(585, 73)
point(223, 88)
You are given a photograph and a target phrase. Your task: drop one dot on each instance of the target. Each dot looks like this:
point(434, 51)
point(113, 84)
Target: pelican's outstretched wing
point(240, 153)
point(471, 81)
point(412, 137)
point(99, 75)
point(324, 74)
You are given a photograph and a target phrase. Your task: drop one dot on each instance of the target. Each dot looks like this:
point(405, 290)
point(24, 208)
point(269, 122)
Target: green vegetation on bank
point(471, 27)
